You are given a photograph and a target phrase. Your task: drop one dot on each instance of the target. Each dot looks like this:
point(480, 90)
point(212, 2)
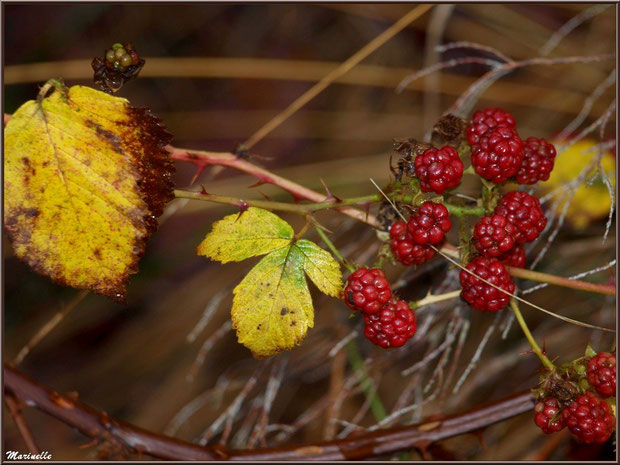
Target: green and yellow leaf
point(272, 306)
point(243, 235)
point(86, 175)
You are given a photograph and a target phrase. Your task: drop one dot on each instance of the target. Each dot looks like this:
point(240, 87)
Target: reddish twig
point(21, 424)
point(100, 426)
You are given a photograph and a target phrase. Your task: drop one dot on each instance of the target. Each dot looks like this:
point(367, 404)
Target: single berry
point(494, 235)
point(439, 170)
point(119, 52)
point(429, 223)
point(537, 162)
point(109, 56)
point(392, 325)
point(367, 290)
point(405, 250)
point(548, 416)
point(483, 120)
point(602, 374)
point(126, 60)
point(590, 418)
point(525, 212)
point(514, 257)
point(498, 154)
point(481, 295)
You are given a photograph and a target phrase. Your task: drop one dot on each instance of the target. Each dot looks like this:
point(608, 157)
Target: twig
point(343, 68)
point(570, 283)
point(48, 327)
point(96, 424)
point(20, 421)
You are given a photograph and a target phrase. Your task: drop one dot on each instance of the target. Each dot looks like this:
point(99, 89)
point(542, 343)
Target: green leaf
point(244, 235)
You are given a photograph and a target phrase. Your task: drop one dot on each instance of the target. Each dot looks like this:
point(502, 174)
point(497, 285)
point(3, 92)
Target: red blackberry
point(483, 120)
point(514, 257)
point(429, 223)
point(392, 325)
point(590, 418)
point(537, 162)
point(548, 416)
point(405, 250)
point(494, 235)
point(498, 154)
point(602, 374)
point(481, 295)
point(525, 212)
point(367, 290)
point(439, 170)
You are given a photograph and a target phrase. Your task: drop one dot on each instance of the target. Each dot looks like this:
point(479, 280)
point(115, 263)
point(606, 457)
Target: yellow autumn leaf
point(244, 235)
point(86, 175)
point(591, 201)
point(272, 307)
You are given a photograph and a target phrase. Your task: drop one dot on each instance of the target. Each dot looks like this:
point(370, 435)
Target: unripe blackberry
point(439, 170)
point(429, 223)
point(486, 119)
point(525, 212)
point(481, 295)
point(537, 162)
point(405, 250)
point(602, 374)
point(590, 418)
point(498, 154)
point(494, 235)
point(514, 257)
point(548, 416)
point(391, 326)
point(367, 290)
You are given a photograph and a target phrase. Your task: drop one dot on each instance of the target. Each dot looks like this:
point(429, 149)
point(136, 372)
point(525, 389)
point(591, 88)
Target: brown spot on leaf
point(284, 311)
point(293, 323)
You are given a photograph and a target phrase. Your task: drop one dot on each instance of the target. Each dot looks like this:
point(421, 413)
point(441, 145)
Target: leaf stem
point(367, 384)
point(461, 211)
point(528, 335)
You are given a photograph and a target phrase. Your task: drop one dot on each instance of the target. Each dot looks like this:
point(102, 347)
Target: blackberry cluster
point(392, 326)
point(494, 236)
point(498, 154)
point(439, 170)
point(486, 119)
point(548, 416)
point(389, 322)
point(367, 290)
point(120, 57)
point(602, 374)
point(537, 162)
point(427, 225)
point(525, 213)
point(590, 418)
point(479, 294)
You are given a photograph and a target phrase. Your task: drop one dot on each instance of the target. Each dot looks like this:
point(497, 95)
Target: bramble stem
point(528, 335)
point(605, 289)
point(301, 209)
point(463, 211)
point(433, 299)
point(367, 384)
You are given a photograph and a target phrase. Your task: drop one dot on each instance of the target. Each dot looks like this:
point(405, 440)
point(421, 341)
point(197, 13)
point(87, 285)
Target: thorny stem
point(367, 384)
point(301, 209)
point(528, 335)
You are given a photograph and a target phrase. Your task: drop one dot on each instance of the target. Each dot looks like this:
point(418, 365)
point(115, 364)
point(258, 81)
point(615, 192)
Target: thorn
point(315, 222)
point(199, 171)
point(203, 190)
point(328, 193)
point(264, 195)
point(260, 182)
